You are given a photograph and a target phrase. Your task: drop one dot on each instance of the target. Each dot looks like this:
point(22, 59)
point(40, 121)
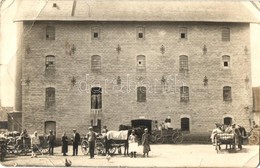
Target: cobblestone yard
point(184, 155)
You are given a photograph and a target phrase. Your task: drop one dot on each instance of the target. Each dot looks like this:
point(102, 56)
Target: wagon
point(225, 138)
point(99, 146)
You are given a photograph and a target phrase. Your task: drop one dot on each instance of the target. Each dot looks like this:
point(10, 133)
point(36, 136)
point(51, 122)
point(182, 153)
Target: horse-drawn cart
point(229, 139)
point(100, 146)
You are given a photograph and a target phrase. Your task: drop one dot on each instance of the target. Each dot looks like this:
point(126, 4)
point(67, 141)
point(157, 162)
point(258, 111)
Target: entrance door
point(227, 120)
point(50, 125)
point(185, 124)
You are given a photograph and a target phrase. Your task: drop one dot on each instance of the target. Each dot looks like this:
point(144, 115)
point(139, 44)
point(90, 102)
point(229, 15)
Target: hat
point(74, 129)
point(146, 129)
point(50, 131)
point(90, 128)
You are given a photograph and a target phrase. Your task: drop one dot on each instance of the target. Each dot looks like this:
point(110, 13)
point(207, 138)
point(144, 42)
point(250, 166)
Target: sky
point(8, 41)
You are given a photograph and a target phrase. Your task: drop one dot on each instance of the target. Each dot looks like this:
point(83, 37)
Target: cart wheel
point(84, 147)
point(99, 149)
point(177, 137)
point(22, 149)
point(159, 139)
point(112, 148)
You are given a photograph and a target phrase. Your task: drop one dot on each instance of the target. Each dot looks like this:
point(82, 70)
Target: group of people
point(167, 124)
point(91, 138)
point(133, 143)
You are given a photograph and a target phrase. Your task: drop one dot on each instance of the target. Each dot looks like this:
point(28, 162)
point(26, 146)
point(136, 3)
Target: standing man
point(91, 137)
point(75, 142)
point(51, 142)
point(145, 142)
point(236, 131)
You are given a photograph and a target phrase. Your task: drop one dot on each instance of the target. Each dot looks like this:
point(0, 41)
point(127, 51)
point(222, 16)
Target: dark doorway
point(227, 120)
point(185, 124)
point(143, 123)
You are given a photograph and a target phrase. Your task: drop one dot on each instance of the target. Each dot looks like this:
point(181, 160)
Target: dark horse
point(138, 131)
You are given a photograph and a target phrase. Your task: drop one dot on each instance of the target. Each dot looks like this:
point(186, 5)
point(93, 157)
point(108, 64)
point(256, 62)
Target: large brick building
point(109, 62)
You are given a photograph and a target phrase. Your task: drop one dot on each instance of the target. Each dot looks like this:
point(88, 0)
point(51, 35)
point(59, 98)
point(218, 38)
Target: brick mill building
point(101, 62)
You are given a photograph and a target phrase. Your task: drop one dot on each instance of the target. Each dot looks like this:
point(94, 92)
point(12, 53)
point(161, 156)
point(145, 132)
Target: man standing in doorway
point(51, 140)
point(75, 142)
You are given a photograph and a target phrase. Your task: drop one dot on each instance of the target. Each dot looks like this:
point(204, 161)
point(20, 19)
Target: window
point(185, 124)
point(225, 34)
point(95, 33)
point(96, 62)
point(183, 33)
point(50, 33)
point(141, 62)
point(184, 90)
point(50, 97)
point(226, 61)
point(141, 94)
point(227, 93)
point(184, 67)
point(49, 62)
point(96, 98)
point(140, 32)
point(227, 120)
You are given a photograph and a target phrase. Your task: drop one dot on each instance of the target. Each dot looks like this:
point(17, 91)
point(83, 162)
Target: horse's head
point(139, 132)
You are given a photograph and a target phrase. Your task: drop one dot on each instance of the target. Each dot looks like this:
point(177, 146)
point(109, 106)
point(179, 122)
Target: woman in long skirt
point(64, 140)
point(145, 142)
point(133, 144)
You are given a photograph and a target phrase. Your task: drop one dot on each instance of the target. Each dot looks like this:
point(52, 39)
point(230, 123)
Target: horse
point(125, 132)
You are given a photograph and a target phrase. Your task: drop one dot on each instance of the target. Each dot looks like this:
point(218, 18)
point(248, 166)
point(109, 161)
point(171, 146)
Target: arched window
point(184, 64)
point(96, 62)
point(227, 93)
point(50, 97)
point(141, 94)
point(184, 90)
point(50, 62)
point(226, 61)
point(225, 34)
point(185, 124)
point(227, 120)
point(141, 62)
point(50, 33)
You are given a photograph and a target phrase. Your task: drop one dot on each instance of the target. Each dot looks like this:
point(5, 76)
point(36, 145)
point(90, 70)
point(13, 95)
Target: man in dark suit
point(75, 142)
point(51, 141)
